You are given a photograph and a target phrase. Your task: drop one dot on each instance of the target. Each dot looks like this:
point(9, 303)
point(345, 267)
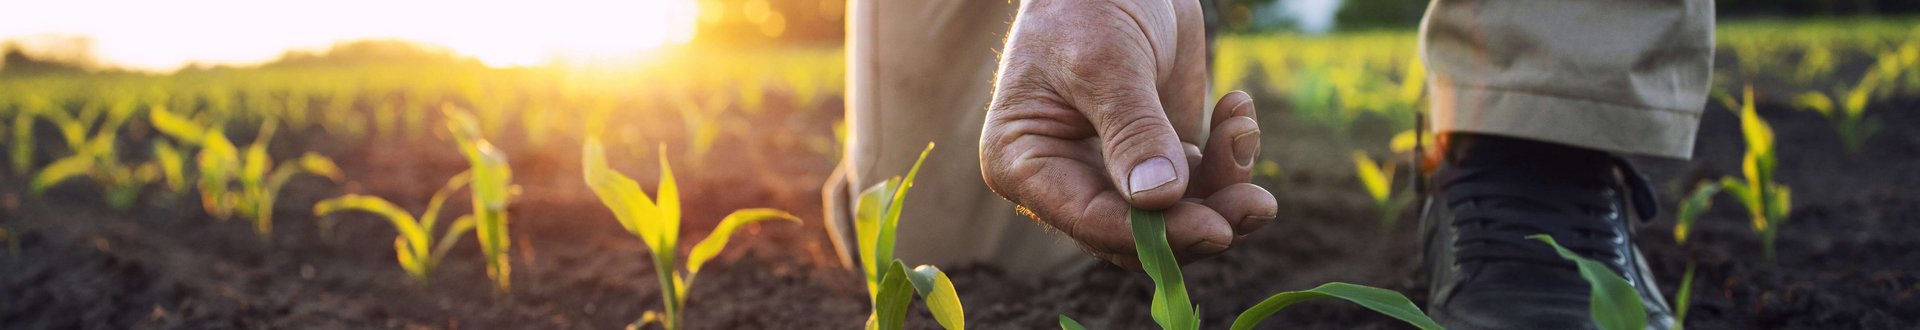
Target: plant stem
point(1766, 242)
point(669, 297)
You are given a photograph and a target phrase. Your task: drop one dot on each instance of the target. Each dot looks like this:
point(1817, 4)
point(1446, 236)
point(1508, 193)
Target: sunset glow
point(164, 35)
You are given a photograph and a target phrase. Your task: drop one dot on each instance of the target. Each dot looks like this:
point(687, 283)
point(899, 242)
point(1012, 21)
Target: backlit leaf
point(937, 290)
point(60, 170)
point(1371, 177)
point(1069, 324)
point(1615, 303)
point(1387, 302)
point(710, 247)
point(1171, 307)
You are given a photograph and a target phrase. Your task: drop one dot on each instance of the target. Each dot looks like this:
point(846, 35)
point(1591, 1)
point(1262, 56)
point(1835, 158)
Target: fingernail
point(1251, 222)
point(1245, 146)
point(1153, 173)
point(1206, 248)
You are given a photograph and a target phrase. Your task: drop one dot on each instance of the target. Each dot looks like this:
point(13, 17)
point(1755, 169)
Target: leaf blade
point(1615, 303)
point(937, 291)
point(1171, 307)
point(1383, 301)
point(710, 247)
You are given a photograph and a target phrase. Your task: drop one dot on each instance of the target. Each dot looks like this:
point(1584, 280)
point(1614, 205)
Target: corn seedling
point(1768, 202)
point(1696, 204)
point(95, 158)
point(492, 187)
point(1692, 208)
point(1172, 309)
point(1377, 179)
point(220, 164)
point(1615, 304)
point(1849, 119)
point(416, 250)
point(657, 222)
point(890, 284)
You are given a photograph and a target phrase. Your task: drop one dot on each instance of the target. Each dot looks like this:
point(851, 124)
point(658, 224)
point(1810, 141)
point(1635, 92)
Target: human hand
point(1100, 106)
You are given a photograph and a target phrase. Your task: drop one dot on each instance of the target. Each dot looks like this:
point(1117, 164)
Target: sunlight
point(165, 35)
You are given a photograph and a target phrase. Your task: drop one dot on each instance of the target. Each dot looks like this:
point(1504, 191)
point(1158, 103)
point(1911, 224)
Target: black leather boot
point(1492, 192)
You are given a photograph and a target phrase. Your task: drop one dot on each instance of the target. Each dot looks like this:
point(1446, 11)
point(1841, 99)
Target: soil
point(1847, 255)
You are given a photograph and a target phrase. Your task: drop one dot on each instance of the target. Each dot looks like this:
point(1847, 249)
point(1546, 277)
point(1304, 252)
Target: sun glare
point(164, 35)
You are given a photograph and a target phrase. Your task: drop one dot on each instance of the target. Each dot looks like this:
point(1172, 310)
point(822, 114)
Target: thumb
point(1143, 154)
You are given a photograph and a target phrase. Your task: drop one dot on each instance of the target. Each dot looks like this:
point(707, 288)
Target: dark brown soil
point(1847, 257)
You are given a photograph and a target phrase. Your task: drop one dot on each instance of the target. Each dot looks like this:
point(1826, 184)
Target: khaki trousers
point(1626, 76)
point(921, 71)
point(1616, 75)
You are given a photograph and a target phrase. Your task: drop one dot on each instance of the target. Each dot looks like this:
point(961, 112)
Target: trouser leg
point(1627, 77)
point(922, 71)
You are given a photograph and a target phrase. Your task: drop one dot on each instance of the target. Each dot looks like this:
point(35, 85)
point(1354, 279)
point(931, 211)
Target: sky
point(166, 35)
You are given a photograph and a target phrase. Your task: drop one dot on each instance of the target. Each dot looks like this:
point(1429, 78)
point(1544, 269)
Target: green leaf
point(669, 203)
point(1816, 101)
point(1696, 204)
point(710, 247)
point(60, 170)
point(439, 199)
point(1405, 141)
point(1384, 301)
point(172, 164)
point(218, 160)
point(22, 147)
point(1780, 206)
point(1069, 324)
point(1377, 182)
point(460, 227)
point(180, 128)
point(890, 308)
point(314, 163)
point(621, 194)
point(1759, 136)
point(937, 290)
point(868, 211)
point(1615, 303)
point(254, 169)
point(1171, 307)
point(416, 239)
point(1414, 82)
point(884, 241)
point(1683, 299)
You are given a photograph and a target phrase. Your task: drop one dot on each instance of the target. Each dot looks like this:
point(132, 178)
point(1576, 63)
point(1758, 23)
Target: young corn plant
point(95, 158)
point(492, 188)
point(1615, 304)
point(1849, 119)
point(1377, 179)
point(1696, 204)
point(1768, 202)
point(221, 165)
point(657, 222)
point(416, 250)
point(1172, 309)
point(890, 284)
